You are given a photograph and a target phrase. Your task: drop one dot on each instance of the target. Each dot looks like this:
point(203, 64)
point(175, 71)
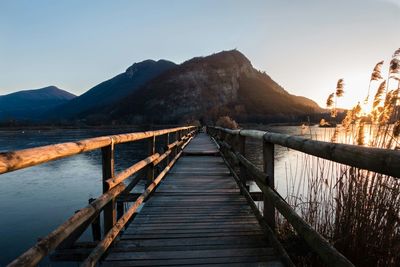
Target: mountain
point(224, 83)
point(31, 104)
point(151, 91)
point(112, 90)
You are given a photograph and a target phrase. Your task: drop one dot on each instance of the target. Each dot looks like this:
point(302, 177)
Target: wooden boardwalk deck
point(197, 216)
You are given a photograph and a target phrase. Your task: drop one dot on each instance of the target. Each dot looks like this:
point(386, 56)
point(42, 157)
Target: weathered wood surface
point(14, 160)
point(316, 242)
point(196, 217)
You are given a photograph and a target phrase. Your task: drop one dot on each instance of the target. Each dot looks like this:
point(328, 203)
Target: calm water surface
point(36, 200)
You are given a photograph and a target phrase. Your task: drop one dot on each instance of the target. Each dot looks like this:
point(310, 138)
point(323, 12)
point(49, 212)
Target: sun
point(366, 108)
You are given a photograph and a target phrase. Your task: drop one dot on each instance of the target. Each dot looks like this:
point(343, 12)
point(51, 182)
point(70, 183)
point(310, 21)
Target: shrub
point(227, 122)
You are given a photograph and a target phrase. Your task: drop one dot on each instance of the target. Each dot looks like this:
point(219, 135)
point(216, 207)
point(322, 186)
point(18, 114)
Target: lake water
point(36, 200)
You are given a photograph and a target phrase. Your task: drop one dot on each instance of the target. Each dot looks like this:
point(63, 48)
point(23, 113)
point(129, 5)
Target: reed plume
point(376, 73)
point(394, 69)
point(379, 94)
point(396, 53)
point(358, 210)
point(340, 88)
point(329, 101)
point(388, 108)
point(348, 119)
point(357, 111)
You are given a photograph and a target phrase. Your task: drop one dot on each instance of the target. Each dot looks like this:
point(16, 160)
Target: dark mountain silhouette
point(31, 104)
point(111, 91)
point(208, 87)
point(151, 91)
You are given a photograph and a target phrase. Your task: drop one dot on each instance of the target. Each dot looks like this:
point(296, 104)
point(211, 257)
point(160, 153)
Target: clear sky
point(303, 45)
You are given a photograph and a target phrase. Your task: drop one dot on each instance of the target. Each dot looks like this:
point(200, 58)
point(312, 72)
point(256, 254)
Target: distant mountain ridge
point(33, 103)
point(202, 88)
point(112, 90)
point(224, 83)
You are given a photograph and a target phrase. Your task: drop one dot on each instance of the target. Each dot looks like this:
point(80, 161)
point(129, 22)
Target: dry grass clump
point(356, 210)
point(227, 122)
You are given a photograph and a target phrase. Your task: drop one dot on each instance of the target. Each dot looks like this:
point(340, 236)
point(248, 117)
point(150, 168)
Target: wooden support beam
point(150, 167)
point(241, 149)
point(122, 176)
point(268, 166)
point(167, 138)
point(96, 227)
point(110, 216)
point(120, 209)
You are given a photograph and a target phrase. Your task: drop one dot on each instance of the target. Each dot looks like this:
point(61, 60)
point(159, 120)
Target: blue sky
point(303, 45)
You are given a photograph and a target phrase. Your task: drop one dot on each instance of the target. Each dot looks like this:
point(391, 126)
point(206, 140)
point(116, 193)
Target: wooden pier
point(197, 216)
point(196, 208)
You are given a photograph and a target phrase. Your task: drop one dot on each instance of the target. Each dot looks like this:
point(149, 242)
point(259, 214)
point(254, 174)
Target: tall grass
point(356, 210)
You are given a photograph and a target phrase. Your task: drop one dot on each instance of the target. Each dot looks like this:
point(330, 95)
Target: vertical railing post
point(108, 172)
point(179, 138)
point(150, 167)
point(166, 146)
point(96, 228)
point(268, 162)
point(174, 138)
point(241, 148)
point(120, 209)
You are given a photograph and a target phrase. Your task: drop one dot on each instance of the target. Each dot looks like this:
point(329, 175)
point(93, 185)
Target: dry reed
point(356, 210)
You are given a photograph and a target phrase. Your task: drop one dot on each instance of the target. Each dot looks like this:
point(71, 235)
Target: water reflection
point(36, 200)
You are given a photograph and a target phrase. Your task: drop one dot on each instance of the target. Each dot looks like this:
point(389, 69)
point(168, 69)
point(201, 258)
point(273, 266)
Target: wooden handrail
point(102, 247)
point(15, 160)
point(319, 244)
point(384, 161)
point(35, 254)
point(113, 186)
point(122, 176)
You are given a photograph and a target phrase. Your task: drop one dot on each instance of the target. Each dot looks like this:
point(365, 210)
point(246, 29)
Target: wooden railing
point(232, 146)
point(113, 186)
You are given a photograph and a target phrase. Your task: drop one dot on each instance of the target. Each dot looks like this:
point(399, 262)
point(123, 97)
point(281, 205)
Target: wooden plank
point(226, 261)
point(195, 213)
point(189, 247)
point(197, 241)
point(185, 225)
point(194, 220)
point(186, 235)
point(210, 230)
point(190, 254)
point(183, 199)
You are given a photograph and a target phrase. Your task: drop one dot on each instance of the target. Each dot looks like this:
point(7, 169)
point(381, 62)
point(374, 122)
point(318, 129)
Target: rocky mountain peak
point(146, 65)
point(224, 83)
